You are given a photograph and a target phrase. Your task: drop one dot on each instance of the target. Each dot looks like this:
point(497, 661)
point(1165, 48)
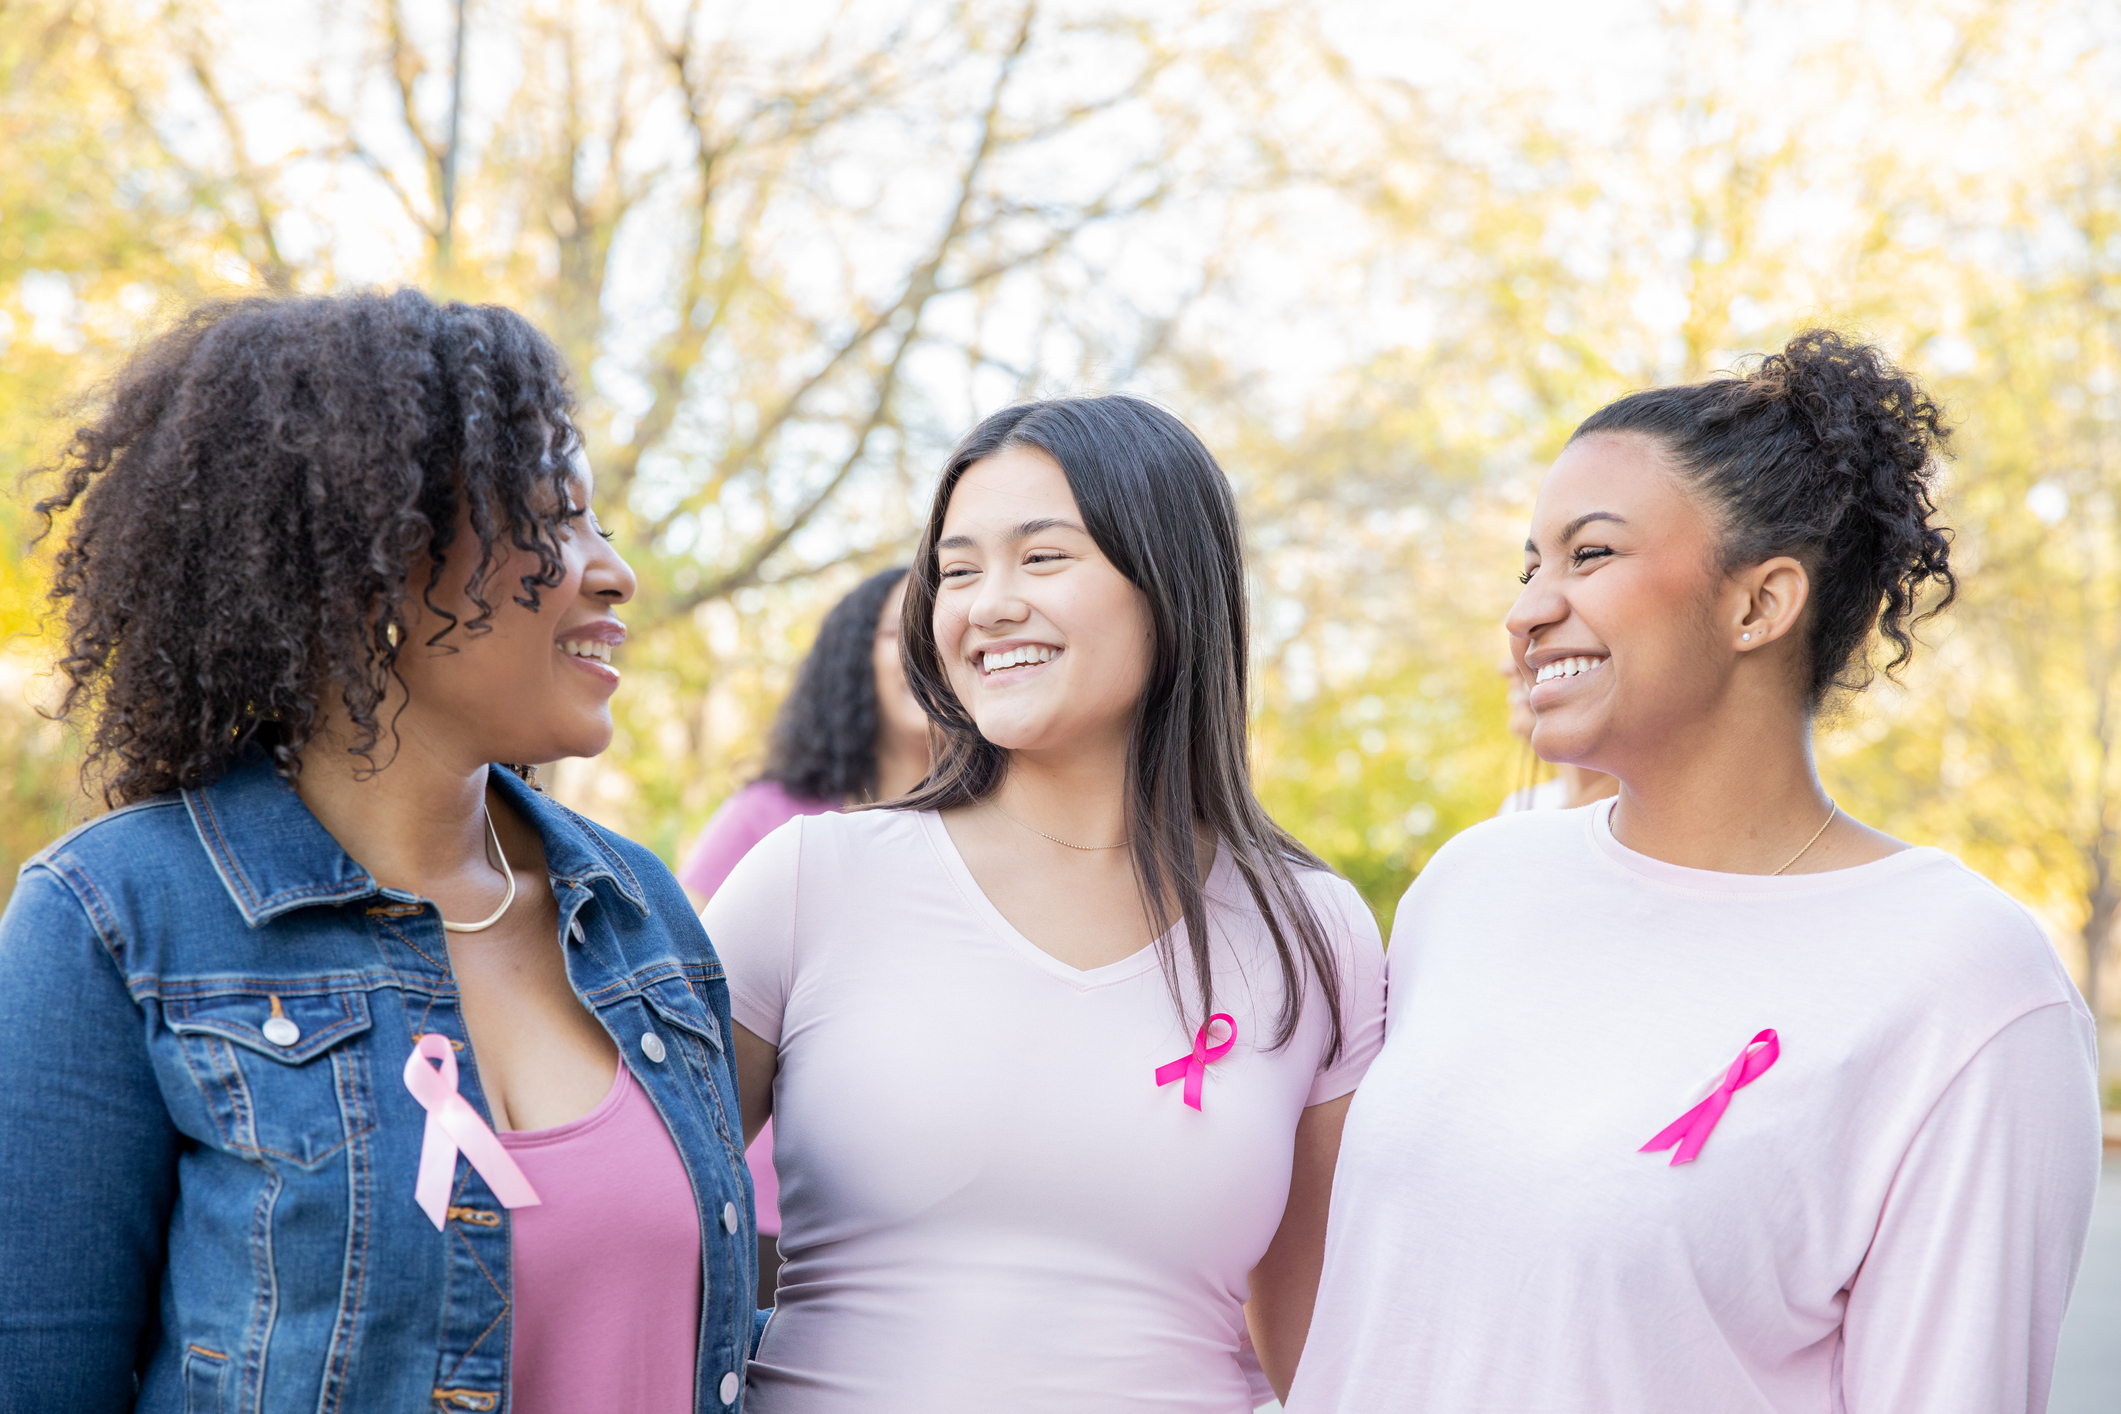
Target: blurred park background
point(1383, 254)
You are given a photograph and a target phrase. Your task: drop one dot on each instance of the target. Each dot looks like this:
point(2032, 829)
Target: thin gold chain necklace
point(1085, 848)
point(1832, 810)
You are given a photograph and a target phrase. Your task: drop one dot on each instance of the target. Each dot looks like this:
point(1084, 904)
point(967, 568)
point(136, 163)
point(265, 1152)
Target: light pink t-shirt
point(606, 1285)
point(1887, 1221)
point(988, 1202)
point(745, 818)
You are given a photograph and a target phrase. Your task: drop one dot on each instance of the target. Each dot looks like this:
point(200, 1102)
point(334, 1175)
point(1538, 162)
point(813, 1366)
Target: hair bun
point(1826, 451)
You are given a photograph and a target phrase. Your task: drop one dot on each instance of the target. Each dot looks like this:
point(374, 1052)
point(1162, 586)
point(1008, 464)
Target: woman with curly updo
point(339, 1067)
point(1711, 1097)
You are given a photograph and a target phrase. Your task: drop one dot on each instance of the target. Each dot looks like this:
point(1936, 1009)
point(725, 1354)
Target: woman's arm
point(1958, 1303)
point(1285, 1283)
point(88, 1162)
point(757, 1062)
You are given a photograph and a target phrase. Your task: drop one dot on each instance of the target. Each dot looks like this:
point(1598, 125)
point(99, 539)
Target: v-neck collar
point(1134, 964)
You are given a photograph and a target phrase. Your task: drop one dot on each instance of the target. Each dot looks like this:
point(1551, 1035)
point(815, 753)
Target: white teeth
point(995, 662)
point(1566, 668)
point(586, 648)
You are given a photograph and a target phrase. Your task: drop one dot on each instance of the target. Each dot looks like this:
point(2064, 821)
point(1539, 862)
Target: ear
point(1773, 595)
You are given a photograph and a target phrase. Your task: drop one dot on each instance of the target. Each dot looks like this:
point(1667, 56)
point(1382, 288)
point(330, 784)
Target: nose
point(997, 602)
point(1539, 606)
point(607, 577)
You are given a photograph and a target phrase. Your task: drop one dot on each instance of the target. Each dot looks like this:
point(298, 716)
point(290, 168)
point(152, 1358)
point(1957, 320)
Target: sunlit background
point(1382, 255)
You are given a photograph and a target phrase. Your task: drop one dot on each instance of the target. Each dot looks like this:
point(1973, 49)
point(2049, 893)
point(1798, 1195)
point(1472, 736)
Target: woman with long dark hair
point(850, 733)
point(1059, 1045)
point(1713, 1097)
point(339, 1067)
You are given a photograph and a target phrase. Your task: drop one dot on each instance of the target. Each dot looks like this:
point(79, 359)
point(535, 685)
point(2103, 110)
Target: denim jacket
point(200, 1212)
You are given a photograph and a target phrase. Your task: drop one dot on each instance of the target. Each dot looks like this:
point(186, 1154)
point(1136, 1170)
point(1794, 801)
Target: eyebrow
point(1022, 532)
point(1568, 532)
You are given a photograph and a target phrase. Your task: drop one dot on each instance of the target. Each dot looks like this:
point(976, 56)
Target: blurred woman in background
point(1712, 1097)
point(851, 733)
point(1059, 1045)
point(1570, 785)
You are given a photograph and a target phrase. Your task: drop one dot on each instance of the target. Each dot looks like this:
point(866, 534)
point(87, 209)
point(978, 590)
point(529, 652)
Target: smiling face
point(538, 686)
point(1046, 644)
point(1619, 625)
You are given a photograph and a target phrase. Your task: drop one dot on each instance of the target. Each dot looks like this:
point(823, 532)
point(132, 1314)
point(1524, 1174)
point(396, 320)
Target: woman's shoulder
point(1971, 935)
point(834, 843)
point(127, 836)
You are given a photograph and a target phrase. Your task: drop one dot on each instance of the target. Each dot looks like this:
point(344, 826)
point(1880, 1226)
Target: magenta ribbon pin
point(1190, 1068)
point(1692, 1130)
point(452, 1124)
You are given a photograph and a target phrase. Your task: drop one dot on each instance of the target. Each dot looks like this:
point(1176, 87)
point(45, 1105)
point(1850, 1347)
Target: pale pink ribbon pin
point(1692, 1130)
point(1190, 1068)
point(452, 1124)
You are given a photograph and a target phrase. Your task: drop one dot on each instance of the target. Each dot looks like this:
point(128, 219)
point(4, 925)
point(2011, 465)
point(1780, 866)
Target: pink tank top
point(607, 1267)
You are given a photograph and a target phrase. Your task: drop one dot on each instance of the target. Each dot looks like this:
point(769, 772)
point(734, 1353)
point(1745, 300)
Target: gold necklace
point(1832, 811)
point(1086, 848)
point(492, 918)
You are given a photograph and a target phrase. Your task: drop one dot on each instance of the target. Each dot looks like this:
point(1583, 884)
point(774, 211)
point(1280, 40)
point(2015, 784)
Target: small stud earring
point(1746, 637)
point(390, 634)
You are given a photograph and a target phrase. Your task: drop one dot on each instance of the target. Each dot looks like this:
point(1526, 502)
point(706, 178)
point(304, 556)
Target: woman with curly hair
point(850, 733)
point(1713, 1097)
point(339, 1067)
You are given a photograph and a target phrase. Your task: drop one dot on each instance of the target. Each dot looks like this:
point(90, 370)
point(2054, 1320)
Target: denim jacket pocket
point(275, 1066)
point(674, 1002)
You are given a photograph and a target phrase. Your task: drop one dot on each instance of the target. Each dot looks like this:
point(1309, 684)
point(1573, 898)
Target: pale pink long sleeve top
point(1887, 1221)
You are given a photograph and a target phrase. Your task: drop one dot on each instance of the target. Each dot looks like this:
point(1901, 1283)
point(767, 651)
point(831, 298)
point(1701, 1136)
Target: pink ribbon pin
point(1192, 1067)
point(1692, 1130)
point(452, 1124)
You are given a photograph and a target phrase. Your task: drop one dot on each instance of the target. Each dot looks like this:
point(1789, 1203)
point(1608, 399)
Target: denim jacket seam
point(102, 919)
point(65, 841)
point(386, 926)
point(265, 1302)
point(206, 1085)
point(361, 1215)
point(638, 982)
point(286, 984)
point(500, 1317)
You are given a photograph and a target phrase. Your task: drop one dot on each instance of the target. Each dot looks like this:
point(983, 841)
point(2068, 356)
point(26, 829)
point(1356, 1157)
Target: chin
point(587, 740)
point(1560, 745)
point(1012, 734)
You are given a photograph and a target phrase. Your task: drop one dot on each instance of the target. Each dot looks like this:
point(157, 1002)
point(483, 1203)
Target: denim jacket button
point(280, 1031)
point(652, 1047)
point(729, 1217)
point(730, 1385)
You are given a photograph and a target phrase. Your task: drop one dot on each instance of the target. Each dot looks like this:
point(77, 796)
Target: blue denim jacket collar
point(273, 856)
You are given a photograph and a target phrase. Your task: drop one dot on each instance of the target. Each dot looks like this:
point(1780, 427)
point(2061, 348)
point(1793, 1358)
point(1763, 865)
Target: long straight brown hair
point(1160, 509)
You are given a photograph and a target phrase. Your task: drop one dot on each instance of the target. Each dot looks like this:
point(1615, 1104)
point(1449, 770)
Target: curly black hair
point(1827, 452)
point(249, 499)
point(824, 739)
